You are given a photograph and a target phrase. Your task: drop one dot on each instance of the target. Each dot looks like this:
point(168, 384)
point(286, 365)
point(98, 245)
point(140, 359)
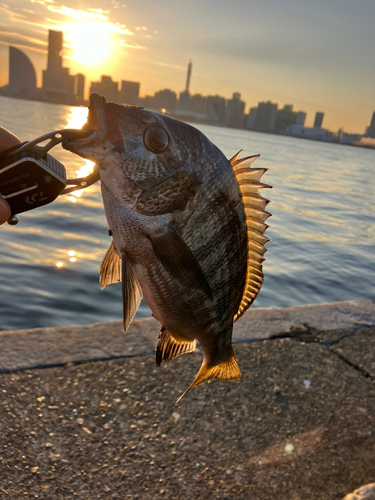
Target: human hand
point(7, 140)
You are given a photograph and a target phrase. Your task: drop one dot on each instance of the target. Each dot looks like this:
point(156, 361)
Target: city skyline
point(316, 55)
point(61, 87)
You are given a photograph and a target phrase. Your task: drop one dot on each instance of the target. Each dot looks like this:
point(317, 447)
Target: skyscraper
point(371, 129)
point(190, 65)
point(55, 46)
point(58, 84)
point(129, 92)
point(285, 117)
point(300, 118)
point(318, 119)
point(106, 87)
point(22, 79)
point(165, 99)
point(234, 111)
point(265, 118)
point(79, 87)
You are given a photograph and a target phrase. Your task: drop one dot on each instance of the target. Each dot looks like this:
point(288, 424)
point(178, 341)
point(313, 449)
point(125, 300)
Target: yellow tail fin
point(228, 370)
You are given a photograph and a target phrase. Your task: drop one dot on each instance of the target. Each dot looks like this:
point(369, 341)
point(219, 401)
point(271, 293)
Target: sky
point(315, 54)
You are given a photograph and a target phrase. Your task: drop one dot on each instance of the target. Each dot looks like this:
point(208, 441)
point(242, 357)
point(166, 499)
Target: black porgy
point(187, 229)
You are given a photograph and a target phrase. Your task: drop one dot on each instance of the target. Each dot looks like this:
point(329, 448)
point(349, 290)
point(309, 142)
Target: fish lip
point(96, 121)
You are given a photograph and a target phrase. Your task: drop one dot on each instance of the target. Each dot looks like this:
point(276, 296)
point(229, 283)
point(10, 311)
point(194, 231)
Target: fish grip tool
point(31, 178)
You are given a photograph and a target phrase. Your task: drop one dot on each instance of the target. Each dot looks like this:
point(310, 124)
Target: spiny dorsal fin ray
point(224, 371)
point(110, 267)
point(254, 204)
point(169, 348)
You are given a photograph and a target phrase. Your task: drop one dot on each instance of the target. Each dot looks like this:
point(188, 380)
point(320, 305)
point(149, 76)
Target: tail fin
point(228, 370)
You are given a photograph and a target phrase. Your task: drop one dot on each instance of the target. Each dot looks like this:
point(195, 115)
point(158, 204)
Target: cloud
point(24, 38)
point(15, 15)
point(22, 42)
point(79, 14)
point(130, 45)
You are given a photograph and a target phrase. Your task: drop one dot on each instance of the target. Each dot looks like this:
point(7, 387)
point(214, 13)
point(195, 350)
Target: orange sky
point(317, 56)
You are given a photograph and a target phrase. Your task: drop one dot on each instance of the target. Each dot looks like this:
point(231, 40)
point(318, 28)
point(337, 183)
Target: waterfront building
point(129, 92)
point(300, 118)
point(251, 117)
point(22, 79)
point(58, 84)
point(106, 87)
point(285, 117)
point(371, 128)
point(316, 133)
point(198, 104)
point(234, 112)
point(215, 108)
point(265, 119)
point(184, 103)
point(165, 99)
point(318, 119)
point(188, 76)
point(79, 87)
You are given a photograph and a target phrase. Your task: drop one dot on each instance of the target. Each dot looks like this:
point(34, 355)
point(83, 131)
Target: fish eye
point(156, 139)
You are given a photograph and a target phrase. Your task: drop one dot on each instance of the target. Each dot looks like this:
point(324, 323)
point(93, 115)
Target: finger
point(5, 212)
point(7, 140)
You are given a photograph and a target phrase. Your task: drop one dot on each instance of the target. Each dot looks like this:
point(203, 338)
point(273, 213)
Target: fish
point(187, 228)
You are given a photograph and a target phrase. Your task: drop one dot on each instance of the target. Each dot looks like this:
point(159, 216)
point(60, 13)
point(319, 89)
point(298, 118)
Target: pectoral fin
point(110, 267)
point(131, 293)
point(177, 258)
point(169, 348)
point(228, 370)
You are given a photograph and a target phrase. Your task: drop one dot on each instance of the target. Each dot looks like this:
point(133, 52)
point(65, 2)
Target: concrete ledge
point(43, 347)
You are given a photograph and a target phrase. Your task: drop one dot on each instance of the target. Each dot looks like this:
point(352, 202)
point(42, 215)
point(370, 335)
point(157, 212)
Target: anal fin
point(169, 348)
point(110, 267)
point(228, 370)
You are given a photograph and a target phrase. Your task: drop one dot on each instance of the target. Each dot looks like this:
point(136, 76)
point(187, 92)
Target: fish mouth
point(96, 122)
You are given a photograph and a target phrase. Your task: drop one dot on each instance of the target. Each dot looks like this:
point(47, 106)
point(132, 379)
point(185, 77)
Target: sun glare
point(91, 42)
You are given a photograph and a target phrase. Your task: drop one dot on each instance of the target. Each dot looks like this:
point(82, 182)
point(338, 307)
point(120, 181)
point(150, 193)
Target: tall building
point(371, 129)
point(184, 102)
point(22, 79)
point(251, 118)
point(285, 117)
point(188, 76)
point(165, 99)
point(129, 93)
point(300, 118)
point(58, 84)
point(55, 47)
point(79, 88)
point(234, 111)
point(215, 108)
point(318, 119)
point(107, 88)
point(265, 119)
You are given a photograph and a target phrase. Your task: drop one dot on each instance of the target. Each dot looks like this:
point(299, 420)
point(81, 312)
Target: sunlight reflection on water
point(322, 231)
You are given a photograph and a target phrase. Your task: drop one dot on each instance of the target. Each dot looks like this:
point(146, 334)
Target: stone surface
point(55, 346)
point(364, 493)
point(111, 430)
point(52, 346)
point(356, 348)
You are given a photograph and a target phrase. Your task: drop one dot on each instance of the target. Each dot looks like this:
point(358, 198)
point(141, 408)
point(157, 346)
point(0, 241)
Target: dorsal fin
point(254, 204)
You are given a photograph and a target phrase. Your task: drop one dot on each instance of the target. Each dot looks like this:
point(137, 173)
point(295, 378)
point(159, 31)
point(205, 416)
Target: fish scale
point(187, 228)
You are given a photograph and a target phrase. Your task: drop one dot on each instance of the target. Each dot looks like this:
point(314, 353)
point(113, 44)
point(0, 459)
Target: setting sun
point(90, 40)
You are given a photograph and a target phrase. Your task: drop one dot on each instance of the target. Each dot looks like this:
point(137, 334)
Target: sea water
point(322, 231)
